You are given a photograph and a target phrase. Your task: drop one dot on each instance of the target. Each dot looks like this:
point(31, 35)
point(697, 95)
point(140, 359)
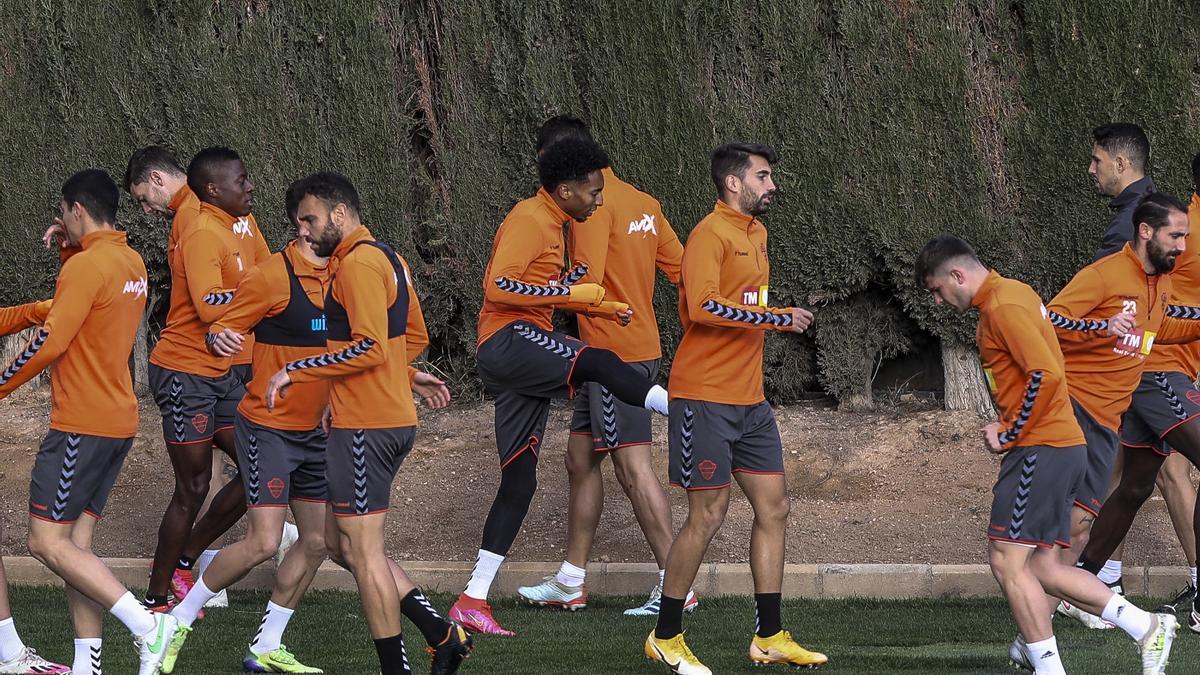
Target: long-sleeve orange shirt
point(210, 258)
point(725, 311)
point(376, 330)
point(621, 244)
point(265, 293)
point(1185, 287)
point(88, 335)
point(20, 317)
point(1103, 371)
point(1024, 366)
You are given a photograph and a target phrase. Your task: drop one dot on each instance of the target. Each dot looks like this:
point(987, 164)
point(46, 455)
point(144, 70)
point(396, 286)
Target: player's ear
point(1145, 232)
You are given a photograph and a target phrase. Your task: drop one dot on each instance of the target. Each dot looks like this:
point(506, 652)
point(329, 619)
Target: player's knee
point(578, 466)
point(44, 548)
point(193, 489)
point(775, 511)
point(518, 484)
point(631, 475)
point(1135, 494)
point(263, 545)
point(312, 545)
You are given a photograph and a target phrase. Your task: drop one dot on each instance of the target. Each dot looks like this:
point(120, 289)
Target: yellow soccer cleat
point(781, 648)
point(675, 653)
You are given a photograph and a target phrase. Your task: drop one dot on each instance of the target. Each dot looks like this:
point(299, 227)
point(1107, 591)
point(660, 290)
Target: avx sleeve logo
point(136, 286)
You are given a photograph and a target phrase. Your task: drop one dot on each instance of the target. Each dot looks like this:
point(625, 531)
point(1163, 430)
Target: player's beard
point(327, 243)
point(756, 205)
point(1161, 259)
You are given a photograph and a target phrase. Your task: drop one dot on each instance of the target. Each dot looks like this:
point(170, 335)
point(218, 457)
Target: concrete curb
point(714, 579)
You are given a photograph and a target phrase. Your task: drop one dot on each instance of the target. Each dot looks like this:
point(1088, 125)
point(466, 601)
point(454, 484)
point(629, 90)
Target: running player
point(1044, 458)
point(375, 330)
point(621, 244)
point(196, 391)
point(523, 362)
point(88, 336)
point(721, 425)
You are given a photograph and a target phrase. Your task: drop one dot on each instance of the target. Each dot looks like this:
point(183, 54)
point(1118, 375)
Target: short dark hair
point(200, 169)
point(147, 159)
point(1155, 210)
point(96, 192)
point(1124, 138)
point(1196, 171)
point(570, 159)
point(937, 252)
point(291, 199)
point(328, 186)
point(732, 159)
point(559, 127)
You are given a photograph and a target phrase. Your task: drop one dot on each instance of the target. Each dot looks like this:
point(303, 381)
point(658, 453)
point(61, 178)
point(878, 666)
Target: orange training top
point(88, 336)
point(374, 334)
point(724, 311)
point(210, 258)
point(621, 244)
point(1185, 286)
point(266, 292)
point(1103, 371)
point(20, 317)
point(1024, 366)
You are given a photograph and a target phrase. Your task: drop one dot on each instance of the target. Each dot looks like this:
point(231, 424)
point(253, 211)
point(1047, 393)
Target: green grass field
point(951, 636)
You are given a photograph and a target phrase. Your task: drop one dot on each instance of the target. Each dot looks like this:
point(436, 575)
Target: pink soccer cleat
point(476, 615)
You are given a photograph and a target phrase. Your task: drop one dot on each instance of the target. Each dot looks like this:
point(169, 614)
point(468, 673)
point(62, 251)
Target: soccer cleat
point(1090, 620)
point(652, 604)
point(152, 647)
point(174, 647)
point(1156, 647)
point(181, 584)
point(675, 654)
point(1184, 598)
point(29, 663)
point(1194, 621)
point(476, 615)
point(781, 648)
point(1018, 654)
point(219, 600)
point(551, 593)
point(450, 653)
point(290, 536)
point(278, 661)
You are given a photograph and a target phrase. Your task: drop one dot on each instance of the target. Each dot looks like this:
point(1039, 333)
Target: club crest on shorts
point(200, 423)
point(1193, 396)
point(275, 487)
point(707, 469)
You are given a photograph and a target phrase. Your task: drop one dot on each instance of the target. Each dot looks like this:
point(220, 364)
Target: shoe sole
point(550, 603)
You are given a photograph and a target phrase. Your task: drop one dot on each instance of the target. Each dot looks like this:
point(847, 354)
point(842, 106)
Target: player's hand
point(326, 418)
point(801, 319)
point(614, 311)
point(434, 391)
point(587, 294)
point(625, 317)
point(1121, 324)
point(55, 234)
point(991, 438)
point(226, 343)
point(277, 387)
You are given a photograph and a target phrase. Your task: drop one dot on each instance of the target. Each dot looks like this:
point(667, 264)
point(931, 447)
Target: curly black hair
point(570, 159)
point(328, 186)
point(200, 170)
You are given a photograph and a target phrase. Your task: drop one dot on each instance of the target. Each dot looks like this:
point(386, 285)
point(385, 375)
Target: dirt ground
point(903, 486)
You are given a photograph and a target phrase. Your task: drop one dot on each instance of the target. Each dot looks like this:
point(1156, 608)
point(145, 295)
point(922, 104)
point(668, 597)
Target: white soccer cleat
point(219, 600)
point(652, 605)
point(28, 662)
point(551, 593)
point(1018, 654)
point(290, 536)
point(152, 647)
point(1090, 620)
point(1156, 647)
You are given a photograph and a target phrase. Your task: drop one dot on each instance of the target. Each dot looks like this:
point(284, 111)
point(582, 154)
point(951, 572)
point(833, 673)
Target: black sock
point(1089, 565)
point(392, 659)
point(767, 614)
point(606, 368)
point(185, 563)
point(416, 607)
point(670, 618)
point(155, 601)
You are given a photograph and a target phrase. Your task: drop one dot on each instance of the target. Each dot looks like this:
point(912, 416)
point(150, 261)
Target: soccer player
point(197, 392)
point(375, 330)
point(1044, 457)
point(1120, 155)
point(523, 362)
point(621, 244)
point(721, 426)
point(88, 336)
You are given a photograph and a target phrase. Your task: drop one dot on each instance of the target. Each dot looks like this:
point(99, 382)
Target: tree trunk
point(141, 359)
point(966, 388)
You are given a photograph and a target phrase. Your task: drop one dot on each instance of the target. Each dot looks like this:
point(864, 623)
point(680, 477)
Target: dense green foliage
point(895, 119)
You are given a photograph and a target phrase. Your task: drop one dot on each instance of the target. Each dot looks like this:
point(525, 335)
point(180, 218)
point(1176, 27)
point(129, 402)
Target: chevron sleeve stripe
point(219, 298)
point(521, 288)
point(352, 352)
point(1188, 312)
point(1027, 403)
point(746, 316)
point(575, 275)
point(31, 350)
point(1082, 325)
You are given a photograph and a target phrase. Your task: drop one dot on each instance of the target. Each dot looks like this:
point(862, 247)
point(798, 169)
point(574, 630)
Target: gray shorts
point(195, 407)
point(1033, 497)
point(524, 367)
point(1162, 402)
point(280, 465)
point(608, 421)
point(360, 466)
point(243, 372)
point(73, 474)
point(1101, 455)
point(711, 441)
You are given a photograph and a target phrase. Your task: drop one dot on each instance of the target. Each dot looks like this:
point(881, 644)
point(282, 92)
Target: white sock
point(10, 643)
point(1193, 571)
point(486, 567)
point(1044, 657)
point(204, 560)
point(662, 574)
point(191, 605)
point(87, 657)
point(656, 400)
point(270, 631)
point(1128, 617)
point(570, 575)
point(1110, 572)
point(134, 615)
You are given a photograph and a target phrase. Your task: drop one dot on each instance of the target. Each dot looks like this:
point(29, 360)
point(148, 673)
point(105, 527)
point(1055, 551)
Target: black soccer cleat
point(452, 651)
point(1183, 599)
point(1194, 619)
